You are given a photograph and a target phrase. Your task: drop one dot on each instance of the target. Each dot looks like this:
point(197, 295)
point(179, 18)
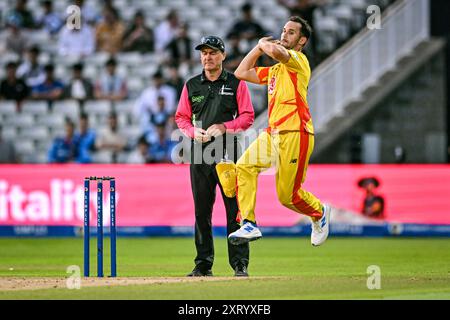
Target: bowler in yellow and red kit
point(288, 141)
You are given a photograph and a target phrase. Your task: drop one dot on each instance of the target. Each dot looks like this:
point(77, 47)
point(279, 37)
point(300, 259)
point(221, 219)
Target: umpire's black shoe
point(197, 272)
point(240, 271)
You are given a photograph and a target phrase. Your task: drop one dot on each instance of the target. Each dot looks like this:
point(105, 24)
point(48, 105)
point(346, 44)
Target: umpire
point(213, 107)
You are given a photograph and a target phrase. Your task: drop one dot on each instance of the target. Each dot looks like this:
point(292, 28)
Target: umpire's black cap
point(212, 42)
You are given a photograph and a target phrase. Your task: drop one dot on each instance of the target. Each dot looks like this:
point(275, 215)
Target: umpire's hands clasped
point(216, 130)
point(200, 135)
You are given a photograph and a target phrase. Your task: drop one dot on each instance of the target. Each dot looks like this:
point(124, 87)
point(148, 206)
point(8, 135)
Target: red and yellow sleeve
point(297, 62)
point(263, 74)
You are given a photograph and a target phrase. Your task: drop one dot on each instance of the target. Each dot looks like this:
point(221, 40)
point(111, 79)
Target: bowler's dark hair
point(306, 29)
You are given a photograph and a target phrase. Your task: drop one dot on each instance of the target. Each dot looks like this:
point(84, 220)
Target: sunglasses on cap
point(211, 41)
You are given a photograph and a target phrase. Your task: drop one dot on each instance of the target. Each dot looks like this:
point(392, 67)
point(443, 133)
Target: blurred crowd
point(27, 78)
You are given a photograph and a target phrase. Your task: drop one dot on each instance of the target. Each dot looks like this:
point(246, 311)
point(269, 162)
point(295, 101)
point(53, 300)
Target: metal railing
point(344, 76)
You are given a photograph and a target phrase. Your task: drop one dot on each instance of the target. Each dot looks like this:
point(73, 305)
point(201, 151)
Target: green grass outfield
point(280, 268)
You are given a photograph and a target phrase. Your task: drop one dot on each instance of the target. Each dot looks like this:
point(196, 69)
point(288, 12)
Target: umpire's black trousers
point(204, 180)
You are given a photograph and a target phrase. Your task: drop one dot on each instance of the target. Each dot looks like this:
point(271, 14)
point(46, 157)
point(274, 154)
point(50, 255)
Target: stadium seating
point(335, 23)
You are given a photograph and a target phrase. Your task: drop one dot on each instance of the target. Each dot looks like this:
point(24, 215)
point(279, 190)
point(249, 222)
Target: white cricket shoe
point(248, 232)
point(321, 228)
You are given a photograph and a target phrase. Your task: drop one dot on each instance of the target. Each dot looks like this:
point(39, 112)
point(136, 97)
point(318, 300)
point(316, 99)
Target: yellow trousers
point(289, 152)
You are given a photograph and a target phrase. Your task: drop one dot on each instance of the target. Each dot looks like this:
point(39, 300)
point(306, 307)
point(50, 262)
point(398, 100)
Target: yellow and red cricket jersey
point(287, 144)
point(287, 90)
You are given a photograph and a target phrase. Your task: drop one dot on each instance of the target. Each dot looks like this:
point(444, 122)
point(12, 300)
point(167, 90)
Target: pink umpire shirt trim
point(183, 116)
point(246, 114)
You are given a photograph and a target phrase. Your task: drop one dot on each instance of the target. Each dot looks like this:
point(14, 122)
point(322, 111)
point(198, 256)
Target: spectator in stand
point(109, 33)
point(86, 140)
point(247, 29)
point(89, 13)
point(399, 154)
point(111, 139)
point(31, 70)
point(166, 31)
point(22, 15)
point(79, 88)
point(15, 41)
point(141, 155)
point(106, 5)
point(180, 48)
point(162, 116)
point(158, 118)
point(51, 89)
point(8, 152)
point(50, 20)
point(147, 103)
point(111, 86)
point(77, 42)
point(161, 149)
point(65, 149)
point(139, 37)
point(235, 54)
point(175, 80)
point(13, 88)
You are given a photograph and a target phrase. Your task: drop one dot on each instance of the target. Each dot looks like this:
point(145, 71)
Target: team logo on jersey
point(272, 84)
point(198, 99)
